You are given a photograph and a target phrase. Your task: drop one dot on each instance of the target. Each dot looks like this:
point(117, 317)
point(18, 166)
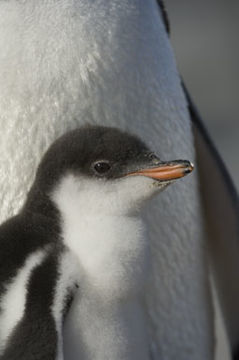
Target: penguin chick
point(81, 226)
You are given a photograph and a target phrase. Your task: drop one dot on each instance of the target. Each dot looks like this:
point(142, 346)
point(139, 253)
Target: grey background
point(205, 38)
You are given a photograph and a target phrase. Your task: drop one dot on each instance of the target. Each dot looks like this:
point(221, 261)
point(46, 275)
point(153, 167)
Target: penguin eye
point(102, 167)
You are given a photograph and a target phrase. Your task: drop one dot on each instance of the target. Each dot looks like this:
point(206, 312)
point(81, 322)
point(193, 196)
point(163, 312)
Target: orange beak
point(167, 171)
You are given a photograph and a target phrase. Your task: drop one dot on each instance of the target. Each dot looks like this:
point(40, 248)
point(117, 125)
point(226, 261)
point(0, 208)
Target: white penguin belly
point(106, 319)
point(95, 330)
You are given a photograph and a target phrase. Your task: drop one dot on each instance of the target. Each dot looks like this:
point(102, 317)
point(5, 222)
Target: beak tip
point(189, 168)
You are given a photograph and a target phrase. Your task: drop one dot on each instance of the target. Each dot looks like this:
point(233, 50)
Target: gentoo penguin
point(71, 62)
point(80, 226)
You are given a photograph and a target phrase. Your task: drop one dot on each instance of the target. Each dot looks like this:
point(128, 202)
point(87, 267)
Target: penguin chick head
point(103, 170)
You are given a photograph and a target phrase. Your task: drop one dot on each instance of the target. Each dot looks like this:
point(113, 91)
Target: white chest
point(94, 330)
point(113, 254)
point(106, 320)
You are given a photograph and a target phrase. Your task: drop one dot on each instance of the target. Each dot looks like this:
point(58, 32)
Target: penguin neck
point(112, 252)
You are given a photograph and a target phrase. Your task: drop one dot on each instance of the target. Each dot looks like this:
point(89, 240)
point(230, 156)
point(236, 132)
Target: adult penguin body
point(68, 63)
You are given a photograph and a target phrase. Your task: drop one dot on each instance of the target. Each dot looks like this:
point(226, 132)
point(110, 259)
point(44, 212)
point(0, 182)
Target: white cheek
point(81, 195)
point(130, 194)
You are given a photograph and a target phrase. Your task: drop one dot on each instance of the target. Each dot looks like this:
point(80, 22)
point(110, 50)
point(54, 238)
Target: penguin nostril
point(152, 156)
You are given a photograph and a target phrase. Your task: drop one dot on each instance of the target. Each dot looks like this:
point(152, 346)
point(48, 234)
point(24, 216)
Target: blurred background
point(205, 38)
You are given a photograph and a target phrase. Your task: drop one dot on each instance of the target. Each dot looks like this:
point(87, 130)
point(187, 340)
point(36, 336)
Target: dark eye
point(101, 167)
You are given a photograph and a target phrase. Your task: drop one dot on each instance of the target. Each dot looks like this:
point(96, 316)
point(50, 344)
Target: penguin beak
point(166, 171)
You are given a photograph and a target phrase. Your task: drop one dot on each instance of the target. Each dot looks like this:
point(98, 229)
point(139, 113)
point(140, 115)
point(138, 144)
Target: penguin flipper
point(221, 206)
point(35, 337)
